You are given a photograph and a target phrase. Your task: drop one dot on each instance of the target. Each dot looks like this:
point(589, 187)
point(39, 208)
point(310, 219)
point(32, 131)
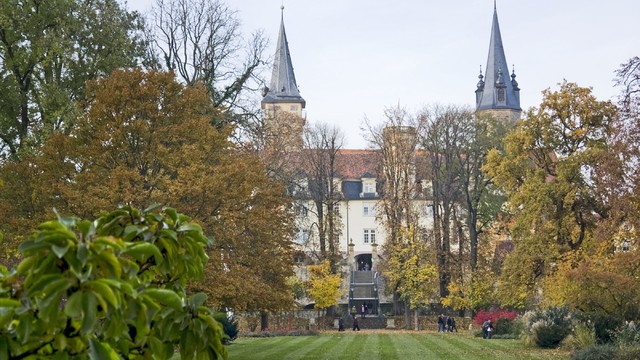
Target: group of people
point(356, 326)
point(446, 324)
point(364, 309)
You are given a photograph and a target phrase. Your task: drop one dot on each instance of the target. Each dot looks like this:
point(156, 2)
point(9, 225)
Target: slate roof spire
point(283, 86)
point(496, 92)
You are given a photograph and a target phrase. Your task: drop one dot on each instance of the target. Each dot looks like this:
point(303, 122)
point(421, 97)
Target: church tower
point(281, 102)
point(496, 93)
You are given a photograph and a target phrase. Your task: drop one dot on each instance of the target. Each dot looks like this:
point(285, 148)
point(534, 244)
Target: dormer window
point(368, 187)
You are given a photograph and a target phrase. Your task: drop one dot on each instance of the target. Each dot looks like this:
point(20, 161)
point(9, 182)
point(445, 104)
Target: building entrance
point(363, 262)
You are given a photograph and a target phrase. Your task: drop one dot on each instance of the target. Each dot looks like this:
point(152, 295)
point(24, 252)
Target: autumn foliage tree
point(145, 138)
point(323, 285)
point(550, 170)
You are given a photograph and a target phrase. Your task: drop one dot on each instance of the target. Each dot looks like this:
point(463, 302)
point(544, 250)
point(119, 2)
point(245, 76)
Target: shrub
point(229, 326)
point(626, 336)
point(583, 336)
point(108, 289)
point(605, 326)
point(547, 328)
point(607, 352)
point(494, 315)
point(595, 352)
point(506, 326)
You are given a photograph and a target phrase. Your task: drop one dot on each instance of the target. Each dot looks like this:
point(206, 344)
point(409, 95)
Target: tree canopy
point(48, 50)
point(145, 138)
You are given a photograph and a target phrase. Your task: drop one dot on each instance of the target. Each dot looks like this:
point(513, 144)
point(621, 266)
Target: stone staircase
point(368, 322)
point(363, 289)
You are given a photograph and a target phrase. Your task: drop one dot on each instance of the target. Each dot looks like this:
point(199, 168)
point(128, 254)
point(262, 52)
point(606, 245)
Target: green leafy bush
point(547, 328)
point(506, 326)
point(607, 352)
point(110, 288)
point(229, 325)
point(605, 326)
point(582, 337)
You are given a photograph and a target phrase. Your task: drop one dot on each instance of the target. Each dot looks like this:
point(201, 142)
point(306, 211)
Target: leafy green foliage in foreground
point(109, 288)
point(385, 345)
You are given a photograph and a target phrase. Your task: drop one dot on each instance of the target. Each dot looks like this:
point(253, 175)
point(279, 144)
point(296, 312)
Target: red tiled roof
point(355, 164)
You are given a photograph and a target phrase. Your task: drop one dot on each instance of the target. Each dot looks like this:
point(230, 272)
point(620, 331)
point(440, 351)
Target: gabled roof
point(283, 87)
point(497, 74)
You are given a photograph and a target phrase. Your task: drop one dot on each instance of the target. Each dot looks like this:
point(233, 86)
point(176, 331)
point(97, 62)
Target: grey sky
point(354, 58)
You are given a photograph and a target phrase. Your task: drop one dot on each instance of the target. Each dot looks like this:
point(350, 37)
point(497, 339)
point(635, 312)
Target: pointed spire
point(497, 94)
point(283, 86)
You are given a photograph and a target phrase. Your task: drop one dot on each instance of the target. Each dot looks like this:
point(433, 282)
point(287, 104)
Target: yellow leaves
point(324, 287)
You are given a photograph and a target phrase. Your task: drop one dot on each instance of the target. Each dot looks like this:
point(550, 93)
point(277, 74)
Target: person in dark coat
point(487, 329)
point(355, 324)
point(449, 324)
point(340, 325)
point(441, 323)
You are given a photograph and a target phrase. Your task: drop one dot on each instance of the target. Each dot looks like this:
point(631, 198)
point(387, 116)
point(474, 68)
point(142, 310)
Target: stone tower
point(498, 93)
point(281, 102)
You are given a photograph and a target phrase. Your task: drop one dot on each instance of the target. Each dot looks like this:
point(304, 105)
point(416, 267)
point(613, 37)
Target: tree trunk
point(264, 321)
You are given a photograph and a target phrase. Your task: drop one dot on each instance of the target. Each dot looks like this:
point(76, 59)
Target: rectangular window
point(369, 236)
point(369, 209)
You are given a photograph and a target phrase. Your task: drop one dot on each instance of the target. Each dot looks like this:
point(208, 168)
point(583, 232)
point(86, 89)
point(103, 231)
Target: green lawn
point(387, 345)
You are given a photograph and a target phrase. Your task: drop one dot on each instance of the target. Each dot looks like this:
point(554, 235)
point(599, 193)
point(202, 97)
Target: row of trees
point(84, 130)
point(556, 194)
point(49, 50)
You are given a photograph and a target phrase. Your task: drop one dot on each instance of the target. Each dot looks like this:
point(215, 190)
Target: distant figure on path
point(363, 310)
point(453, 324)
point(487, 329)
point(441, 323)
point(355, 324)
point(340, 325)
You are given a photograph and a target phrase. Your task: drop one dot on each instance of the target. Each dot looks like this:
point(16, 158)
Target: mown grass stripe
point(438, 344)
point(409, 346)
point(340, 343)
point(243, 346)
point(266, 348)
point(311, 347)
point(367, 345)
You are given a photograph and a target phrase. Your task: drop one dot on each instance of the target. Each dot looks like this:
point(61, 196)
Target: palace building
point(357, 174)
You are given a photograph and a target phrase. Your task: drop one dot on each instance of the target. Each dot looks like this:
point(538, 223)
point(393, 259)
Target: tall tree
point(442, 138)
point(146, 138)
point(322, 144)
point(397, 141)
point(482, 200)
point(200, 40)
point(549, 169)
point(48, 50)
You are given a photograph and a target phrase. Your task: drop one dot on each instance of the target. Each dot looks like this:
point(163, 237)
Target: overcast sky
point(354, 58)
